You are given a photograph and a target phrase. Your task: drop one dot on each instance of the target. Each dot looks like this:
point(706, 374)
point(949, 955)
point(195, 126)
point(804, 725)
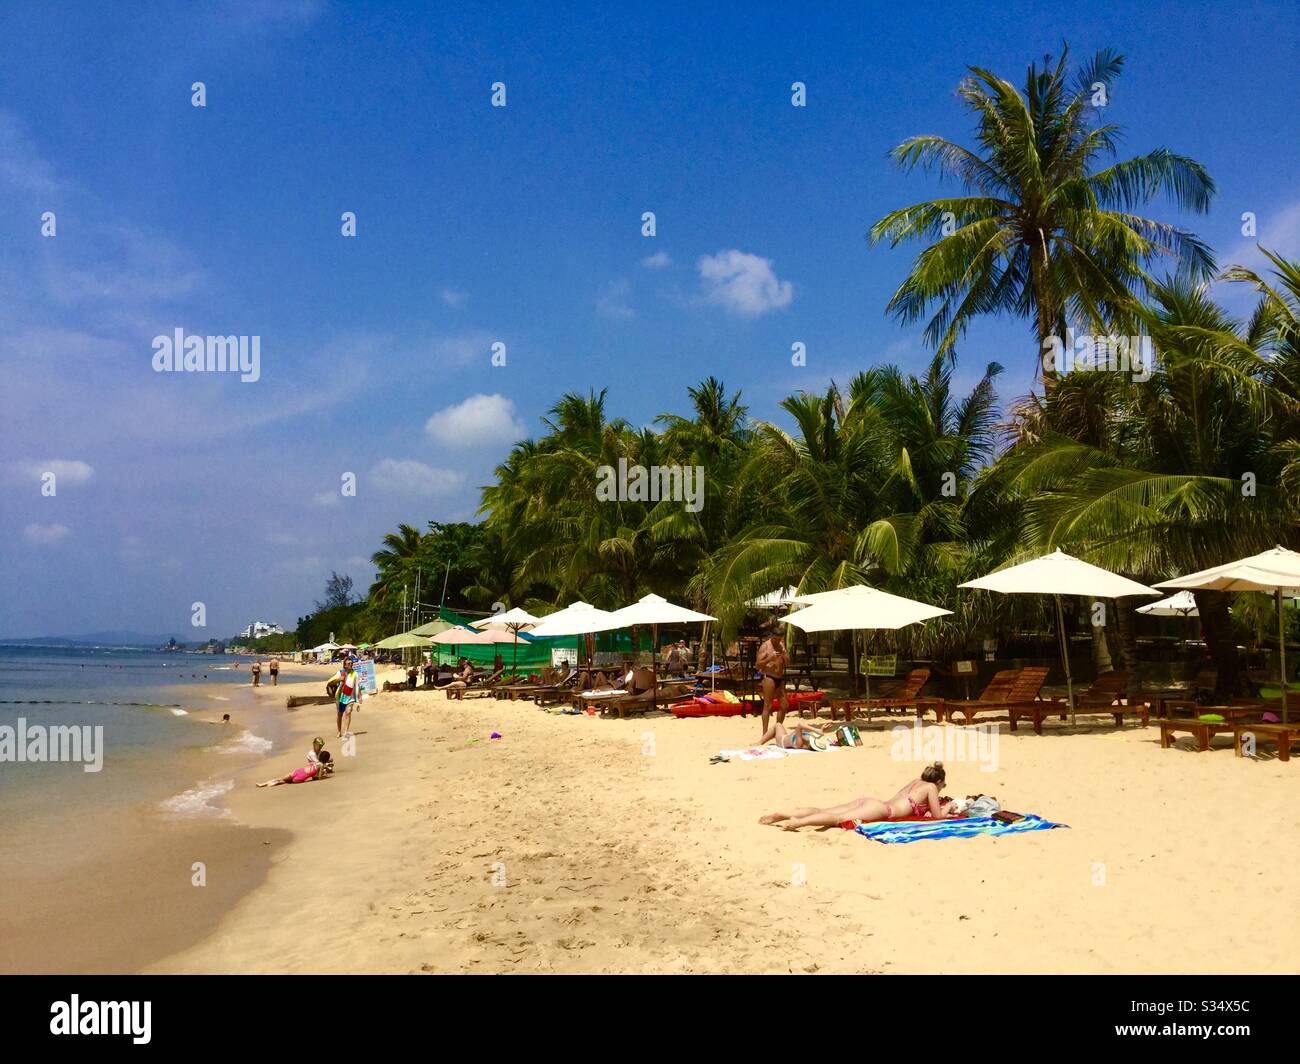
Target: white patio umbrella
point(1275, 570)
point(786, 596)
point(1060, 574)
point(513, 620)
point(655, 610)
point(1182, 604)
point(578, 618)
point(861, 608)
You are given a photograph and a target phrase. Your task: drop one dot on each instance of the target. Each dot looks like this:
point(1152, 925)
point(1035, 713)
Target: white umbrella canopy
point(580, 618)
point(654, 609)
point(1275, 570)
point(1182, 604)
point(515, 618)
point(1060, 574)
point(860, 607)
point(786, 596)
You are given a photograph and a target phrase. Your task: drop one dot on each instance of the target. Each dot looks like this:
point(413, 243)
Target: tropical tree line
point(897, 480)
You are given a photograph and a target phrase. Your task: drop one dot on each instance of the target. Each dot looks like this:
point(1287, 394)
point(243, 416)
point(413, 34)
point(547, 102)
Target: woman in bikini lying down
point(797, 738)
point(917, 798)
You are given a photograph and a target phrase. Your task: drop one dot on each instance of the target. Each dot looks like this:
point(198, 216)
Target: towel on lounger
point(958, 828)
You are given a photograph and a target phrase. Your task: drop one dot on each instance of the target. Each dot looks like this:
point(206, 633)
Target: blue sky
point(476, 225)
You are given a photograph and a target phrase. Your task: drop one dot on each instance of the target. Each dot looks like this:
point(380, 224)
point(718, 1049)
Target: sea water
point(153, 711)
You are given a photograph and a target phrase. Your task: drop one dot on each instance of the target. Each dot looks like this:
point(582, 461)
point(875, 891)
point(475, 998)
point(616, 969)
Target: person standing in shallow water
point(257, 673)
point(275, 672)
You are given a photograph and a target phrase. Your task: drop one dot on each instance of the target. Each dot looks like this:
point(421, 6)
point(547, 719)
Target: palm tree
point(395, 563)
point(1173, 475)
point(868, 490)
point(1043, 233)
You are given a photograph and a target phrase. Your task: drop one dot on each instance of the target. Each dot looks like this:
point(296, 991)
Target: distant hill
point(111, 638)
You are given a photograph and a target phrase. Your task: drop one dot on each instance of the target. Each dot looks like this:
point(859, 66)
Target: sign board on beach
point(964, 666)
point(366, 672)
point(880, 665)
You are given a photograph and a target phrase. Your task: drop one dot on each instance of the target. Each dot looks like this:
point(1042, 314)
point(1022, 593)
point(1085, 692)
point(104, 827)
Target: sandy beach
point(578, 844)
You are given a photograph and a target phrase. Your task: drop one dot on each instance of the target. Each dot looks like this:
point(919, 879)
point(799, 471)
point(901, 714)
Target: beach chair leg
point(1013, 719)
point(1164, 737)
point(1038, 722)
point(1203, 739)
point(1284, 746)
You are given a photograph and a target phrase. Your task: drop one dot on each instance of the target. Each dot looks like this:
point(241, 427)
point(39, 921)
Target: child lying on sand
point(917, 798)
point(315, 770)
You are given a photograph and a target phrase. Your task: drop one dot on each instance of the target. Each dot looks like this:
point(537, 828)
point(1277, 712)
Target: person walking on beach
point(257, 673)
point(771, 661)
point(348, 696)
point(676, 662)
point(428, 672)
point(275, 672)
point(918, 798)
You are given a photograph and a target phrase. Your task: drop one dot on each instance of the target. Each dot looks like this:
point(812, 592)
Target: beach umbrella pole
point(1281, 648)
point(1065, 654)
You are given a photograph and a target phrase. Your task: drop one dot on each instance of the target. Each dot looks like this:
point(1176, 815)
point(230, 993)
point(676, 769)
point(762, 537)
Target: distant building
point(260, 628)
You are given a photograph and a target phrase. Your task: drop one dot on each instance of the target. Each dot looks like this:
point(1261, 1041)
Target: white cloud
point(463, 348)
point(44, 534)
point(454, 297)
point(479, 420)
point(742, 283)
point(612, 300)
point(660, 260)
point(65, 470)
point(409, 477)
point(327, 498)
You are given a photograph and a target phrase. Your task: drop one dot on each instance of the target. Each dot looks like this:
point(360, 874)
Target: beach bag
point(983, 805)
point(848, 735)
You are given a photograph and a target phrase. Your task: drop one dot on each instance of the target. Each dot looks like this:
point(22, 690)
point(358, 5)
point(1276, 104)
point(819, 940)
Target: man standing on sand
point(275, 672)
point(257, 672)
point(771, 661)
point(348, 696)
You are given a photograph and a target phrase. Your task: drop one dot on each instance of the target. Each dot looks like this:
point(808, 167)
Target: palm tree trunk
point(1126, 623)
point(1217, 623)
point(1100, 651)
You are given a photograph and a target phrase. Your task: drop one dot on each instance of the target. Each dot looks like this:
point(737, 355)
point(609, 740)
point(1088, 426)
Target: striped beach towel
point(962, 828)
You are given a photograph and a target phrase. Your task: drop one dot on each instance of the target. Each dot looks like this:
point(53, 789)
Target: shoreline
point(111, 889)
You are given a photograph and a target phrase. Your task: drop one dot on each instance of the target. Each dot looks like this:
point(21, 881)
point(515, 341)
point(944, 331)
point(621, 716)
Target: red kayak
point(706, 707)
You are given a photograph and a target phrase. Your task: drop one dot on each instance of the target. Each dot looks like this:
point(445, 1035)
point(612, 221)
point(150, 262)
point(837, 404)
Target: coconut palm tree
point(1045, 230)
point(1168, 476)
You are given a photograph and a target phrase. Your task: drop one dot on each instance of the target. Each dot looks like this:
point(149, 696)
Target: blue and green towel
point(962, 828)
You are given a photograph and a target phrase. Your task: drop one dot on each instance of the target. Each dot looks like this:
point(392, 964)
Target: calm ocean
point(159, 746)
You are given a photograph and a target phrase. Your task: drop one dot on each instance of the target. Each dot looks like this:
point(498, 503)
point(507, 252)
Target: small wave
point(219, 698)
point(180, 713)
point(247, 743)
point(197, 801)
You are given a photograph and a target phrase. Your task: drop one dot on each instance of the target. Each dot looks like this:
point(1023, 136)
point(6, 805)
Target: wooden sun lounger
point(995, 695)
point(1204, 730)
point(512, 691)
point(1102, 697)
point(908, 696)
